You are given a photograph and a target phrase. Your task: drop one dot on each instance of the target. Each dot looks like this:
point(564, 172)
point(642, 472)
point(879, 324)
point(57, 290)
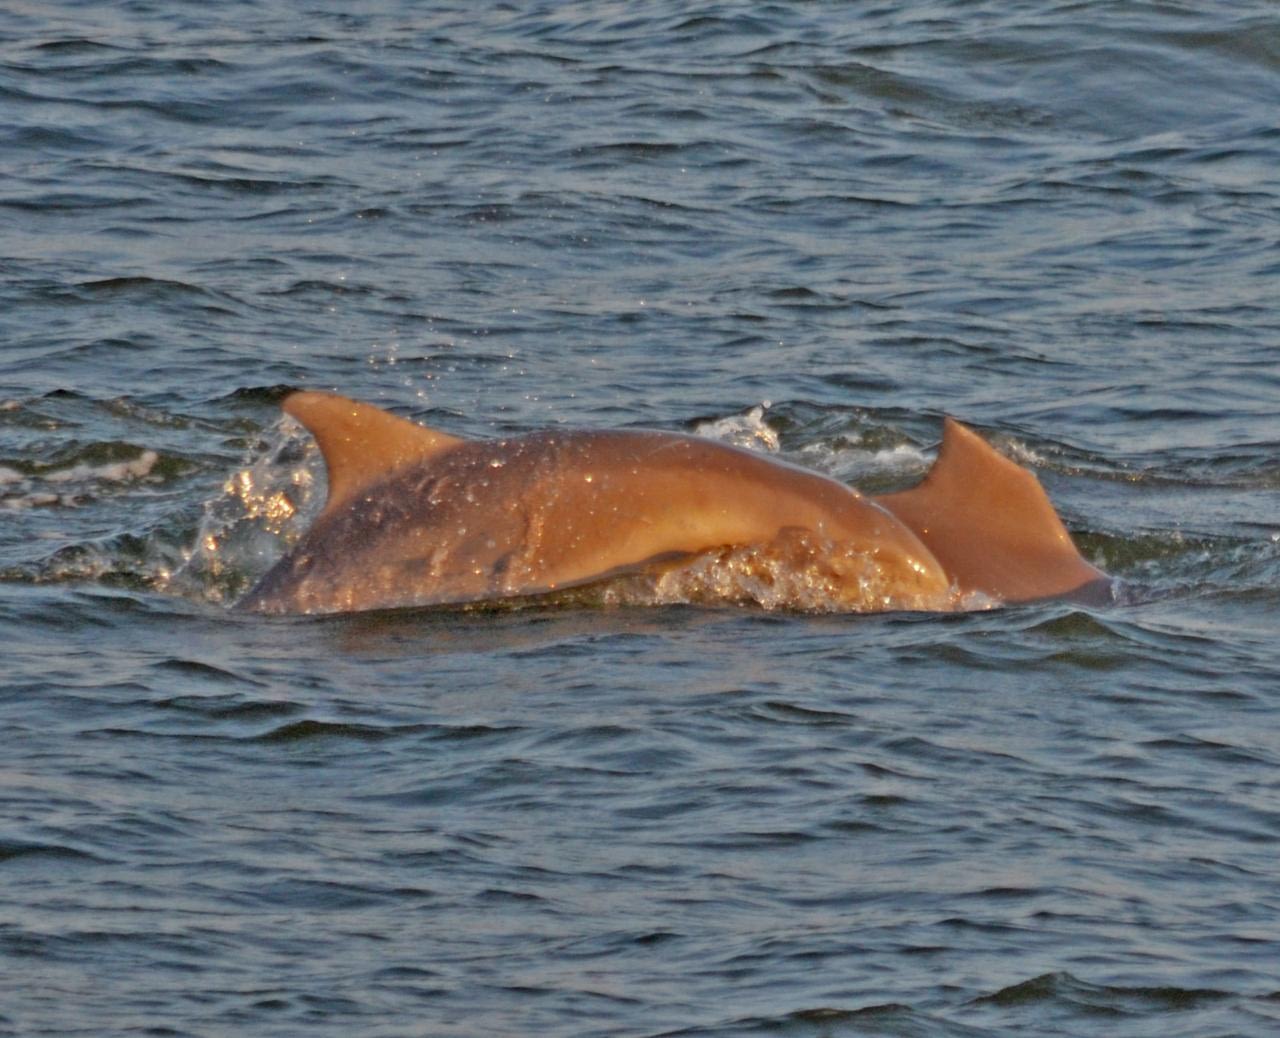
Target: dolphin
point(417, 517)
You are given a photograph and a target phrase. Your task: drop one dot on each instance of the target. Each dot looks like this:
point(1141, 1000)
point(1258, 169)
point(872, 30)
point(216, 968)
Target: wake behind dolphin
point(416, 517)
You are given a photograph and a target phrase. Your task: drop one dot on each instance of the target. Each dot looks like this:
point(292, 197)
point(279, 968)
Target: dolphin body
point(416, 517)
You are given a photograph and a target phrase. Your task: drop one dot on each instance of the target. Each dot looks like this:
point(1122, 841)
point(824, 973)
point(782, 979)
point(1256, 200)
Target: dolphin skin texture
point(415, 517)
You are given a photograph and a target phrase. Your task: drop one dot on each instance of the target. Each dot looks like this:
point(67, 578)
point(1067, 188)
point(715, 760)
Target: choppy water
point(815, 226)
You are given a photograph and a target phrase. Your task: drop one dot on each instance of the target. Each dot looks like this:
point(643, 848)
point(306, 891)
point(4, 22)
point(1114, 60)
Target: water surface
point(809, 229)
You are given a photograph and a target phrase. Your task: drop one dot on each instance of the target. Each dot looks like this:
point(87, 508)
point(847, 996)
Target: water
point(809, 228)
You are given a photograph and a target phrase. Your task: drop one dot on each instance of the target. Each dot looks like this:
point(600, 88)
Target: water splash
point(748, 429)
point(262, 510)
point(798, 572)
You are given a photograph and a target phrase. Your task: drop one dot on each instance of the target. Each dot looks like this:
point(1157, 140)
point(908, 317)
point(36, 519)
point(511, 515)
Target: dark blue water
point(810, 228)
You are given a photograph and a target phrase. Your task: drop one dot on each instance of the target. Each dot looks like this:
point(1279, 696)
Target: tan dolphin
point(416, 517)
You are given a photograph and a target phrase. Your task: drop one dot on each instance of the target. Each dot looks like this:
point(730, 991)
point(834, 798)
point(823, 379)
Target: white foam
point(748, 430)
point(68, 487)
point(904, 457)
point(855, 463)
point(1022, 454)
point(110, 472)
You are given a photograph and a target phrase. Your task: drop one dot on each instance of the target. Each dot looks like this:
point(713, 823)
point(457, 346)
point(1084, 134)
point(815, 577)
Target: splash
point(748, 429)
point(798, 572)
point(262, 510)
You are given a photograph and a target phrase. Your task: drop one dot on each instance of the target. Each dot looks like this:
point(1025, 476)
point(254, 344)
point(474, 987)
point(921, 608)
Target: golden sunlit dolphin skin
point(416, 517)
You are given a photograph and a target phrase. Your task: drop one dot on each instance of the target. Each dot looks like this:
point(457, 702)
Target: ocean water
point(812, 229)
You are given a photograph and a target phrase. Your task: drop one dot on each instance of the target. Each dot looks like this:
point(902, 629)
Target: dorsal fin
point(361, 443)
point(990, 524)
